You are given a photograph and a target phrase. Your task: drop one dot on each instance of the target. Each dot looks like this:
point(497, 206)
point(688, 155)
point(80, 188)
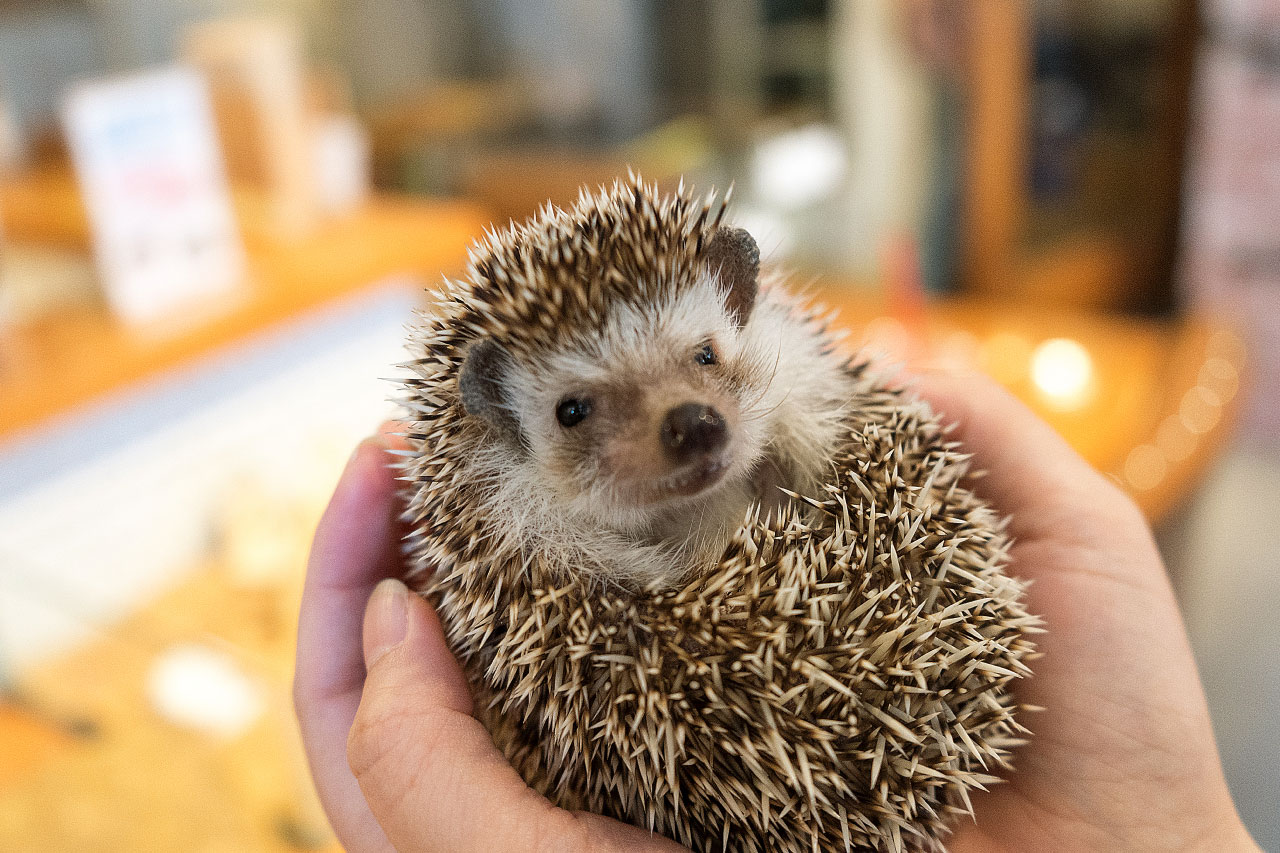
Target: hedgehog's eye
point(572, 412)
point(706, 354)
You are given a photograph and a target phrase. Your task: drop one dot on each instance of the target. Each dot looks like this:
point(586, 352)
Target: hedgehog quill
point(706, 573)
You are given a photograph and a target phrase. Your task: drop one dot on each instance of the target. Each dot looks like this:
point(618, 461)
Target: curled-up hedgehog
point(706, 573)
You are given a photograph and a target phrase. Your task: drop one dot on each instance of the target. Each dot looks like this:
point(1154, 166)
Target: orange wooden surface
point(49, 366)
point(1162, 398)
point(144, 782)
point(29, 742)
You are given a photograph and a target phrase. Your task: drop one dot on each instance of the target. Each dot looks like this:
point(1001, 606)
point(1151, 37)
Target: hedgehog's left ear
point(734, 256)
point(482, 385)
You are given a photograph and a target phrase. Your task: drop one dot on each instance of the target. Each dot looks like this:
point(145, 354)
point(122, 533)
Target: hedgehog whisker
point(761, 415)
point(768, 383)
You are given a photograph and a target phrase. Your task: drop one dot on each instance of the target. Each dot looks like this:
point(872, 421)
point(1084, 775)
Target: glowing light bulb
point(1200, 410)
point(1220, 376)
point(1062, 371)
point(1145, 467)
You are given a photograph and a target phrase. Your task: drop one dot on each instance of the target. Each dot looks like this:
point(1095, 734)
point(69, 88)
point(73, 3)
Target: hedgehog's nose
point(690, 430)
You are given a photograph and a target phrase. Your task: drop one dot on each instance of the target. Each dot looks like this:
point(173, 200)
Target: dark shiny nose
point(690, 430)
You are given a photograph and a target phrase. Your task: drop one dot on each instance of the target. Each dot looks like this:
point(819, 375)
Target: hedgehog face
point(646, 416)
point(631, 424)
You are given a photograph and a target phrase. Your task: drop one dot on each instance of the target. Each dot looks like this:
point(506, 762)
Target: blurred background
point(217, 216)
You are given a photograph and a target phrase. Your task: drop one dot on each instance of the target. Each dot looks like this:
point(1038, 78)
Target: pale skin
point(1123, 756)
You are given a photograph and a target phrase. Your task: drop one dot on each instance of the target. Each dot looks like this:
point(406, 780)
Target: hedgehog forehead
point(641, 339)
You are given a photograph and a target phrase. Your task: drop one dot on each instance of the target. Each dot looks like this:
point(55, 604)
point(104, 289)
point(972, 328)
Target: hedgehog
point(707, 572)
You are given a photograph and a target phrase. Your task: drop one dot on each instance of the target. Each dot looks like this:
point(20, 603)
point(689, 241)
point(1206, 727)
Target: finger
point(1026, 466)
point(356, 545)
point(429, 770)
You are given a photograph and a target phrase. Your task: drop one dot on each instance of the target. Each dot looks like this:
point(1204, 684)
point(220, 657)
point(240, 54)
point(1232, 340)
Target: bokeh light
point(1062, 371)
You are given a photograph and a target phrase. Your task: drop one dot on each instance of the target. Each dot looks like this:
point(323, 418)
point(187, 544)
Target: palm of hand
point(1122, 756)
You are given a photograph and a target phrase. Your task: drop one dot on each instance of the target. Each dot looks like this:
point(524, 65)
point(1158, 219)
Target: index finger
point(356, 545)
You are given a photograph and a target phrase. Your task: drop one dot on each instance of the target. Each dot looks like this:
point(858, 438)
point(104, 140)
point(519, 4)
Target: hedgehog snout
point(692, 430)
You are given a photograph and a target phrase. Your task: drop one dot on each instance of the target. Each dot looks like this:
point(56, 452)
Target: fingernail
point(372, 441)
point(385, 619)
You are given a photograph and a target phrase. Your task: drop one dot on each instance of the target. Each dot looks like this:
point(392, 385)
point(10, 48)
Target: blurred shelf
point(1150, 404)
point(50, 366)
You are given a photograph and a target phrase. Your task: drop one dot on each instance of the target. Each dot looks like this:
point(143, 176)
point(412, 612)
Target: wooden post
point(999, 63)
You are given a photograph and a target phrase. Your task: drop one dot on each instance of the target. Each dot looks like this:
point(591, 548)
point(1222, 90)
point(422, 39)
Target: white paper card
point(149, 166)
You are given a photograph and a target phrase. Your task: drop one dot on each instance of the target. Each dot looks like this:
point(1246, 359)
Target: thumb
point(428, 769)
point(421, 659)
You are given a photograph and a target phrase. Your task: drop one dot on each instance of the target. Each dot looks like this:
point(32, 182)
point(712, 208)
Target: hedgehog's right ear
point(482, 382)
point(734, 256)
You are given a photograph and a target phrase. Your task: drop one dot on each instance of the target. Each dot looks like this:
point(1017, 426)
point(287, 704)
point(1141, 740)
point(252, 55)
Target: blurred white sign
point(341, 163)
point(147, 157)
point(795, 169)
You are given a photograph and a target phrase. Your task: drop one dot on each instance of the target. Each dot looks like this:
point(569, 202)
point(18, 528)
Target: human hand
point(385, 712)
point(1123, 756)
point(1122, 759)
